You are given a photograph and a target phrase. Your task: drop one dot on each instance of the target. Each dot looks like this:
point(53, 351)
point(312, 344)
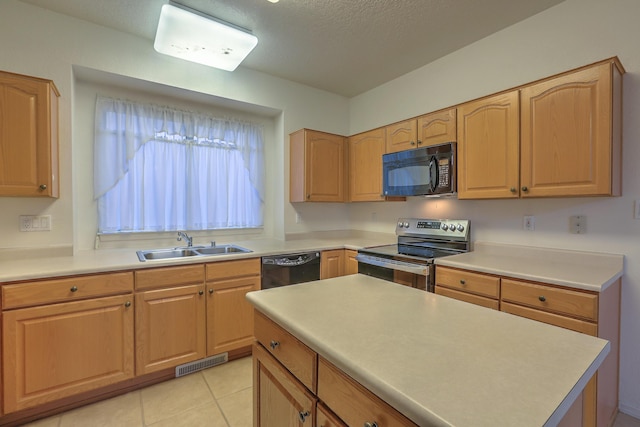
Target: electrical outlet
point(529, 223)
point(298, 218)
point(578, 224)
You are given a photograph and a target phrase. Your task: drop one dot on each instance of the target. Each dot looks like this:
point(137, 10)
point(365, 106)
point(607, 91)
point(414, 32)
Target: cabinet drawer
point(169, 276)
point(64, 290)
point(467, 297)
point(299, 359)
point(326, 418)
point(548, 298)
point(466, 281)
point(551, 318)
point(353, 403)
point(223, 270)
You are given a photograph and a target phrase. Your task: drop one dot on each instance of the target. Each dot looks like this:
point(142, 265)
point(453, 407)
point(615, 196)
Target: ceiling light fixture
point(194, 36)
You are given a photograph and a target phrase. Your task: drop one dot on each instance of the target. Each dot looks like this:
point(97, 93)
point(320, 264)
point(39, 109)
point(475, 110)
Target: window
point(162, 169)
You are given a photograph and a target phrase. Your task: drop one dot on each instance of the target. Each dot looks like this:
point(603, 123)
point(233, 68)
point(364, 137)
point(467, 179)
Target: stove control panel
point(458, 228)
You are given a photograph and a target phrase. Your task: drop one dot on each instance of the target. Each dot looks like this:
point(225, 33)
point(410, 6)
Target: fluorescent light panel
point(202, 39)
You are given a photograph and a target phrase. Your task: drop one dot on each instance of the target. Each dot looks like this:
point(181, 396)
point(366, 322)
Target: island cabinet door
point(326, 418)
point(279, 399)
point(353, 403)
point(58, 350)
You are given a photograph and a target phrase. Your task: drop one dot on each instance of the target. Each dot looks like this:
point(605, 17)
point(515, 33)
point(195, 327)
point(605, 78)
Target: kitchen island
point(437, 361)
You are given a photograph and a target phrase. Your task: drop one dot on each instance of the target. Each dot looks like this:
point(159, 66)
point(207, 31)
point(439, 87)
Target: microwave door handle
point(433, 174)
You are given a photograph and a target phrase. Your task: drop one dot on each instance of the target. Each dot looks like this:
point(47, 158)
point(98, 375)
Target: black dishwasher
point(283, 270)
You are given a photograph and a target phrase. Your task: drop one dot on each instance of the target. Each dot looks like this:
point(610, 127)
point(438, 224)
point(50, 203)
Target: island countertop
point(439, 361)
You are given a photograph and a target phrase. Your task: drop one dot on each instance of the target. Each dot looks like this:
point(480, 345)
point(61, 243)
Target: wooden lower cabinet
point(294, 386)
point(471, 287)
point(332, 263)
point(58, 350)
point(229, 314)
point(170, 327)
point(279, 399)
point(350, 262)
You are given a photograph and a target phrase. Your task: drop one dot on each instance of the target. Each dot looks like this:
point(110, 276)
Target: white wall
point(572, 34)
point(37, 42)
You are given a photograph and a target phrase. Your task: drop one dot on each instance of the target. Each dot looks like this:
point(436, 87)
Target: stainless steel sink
point(197, 251)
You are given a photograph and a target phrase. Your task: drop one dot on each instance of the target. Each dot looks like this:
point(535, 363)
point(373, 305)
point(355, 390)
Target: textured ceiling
point(342, 46)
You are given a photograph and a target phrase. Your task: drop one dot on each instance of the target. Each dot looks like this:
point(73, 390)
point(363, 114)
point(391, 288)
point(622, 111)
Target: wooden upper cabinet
point(28, 136)
point(571, 134)
point(488, 147)
point(365, 165)
point(437, 128)
point(317, 167)
point(402, 136)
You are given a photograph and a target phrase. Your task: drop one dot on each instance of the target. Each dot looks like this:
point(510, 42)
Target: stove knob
point(406, 225)
point(452, 228)
point(445, 227)
point(400, 224)
point(460, 227)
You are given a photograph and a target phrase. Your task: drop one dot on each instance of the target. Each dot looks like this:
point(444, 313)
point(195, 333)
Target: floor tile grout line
point(215, 399)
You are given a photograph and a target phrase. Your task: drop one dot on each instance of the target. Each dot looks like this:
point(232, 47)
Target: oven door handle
point(409, 267)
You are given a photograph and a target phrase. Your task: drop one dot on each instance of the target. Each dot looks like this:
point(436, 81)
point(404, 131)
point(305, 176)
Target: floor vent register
point(199, 365)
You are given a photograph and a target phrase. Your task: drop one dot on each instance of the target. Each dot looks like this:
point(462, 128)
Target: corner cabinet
point(28, 136)
point(317, 167)
point(561, 136)
point(65, 336)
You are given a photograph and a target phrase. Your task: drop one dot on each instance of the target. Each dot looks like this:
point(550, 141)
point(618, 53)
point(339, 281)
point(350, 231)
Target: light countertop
point(437, 360)
point(104, 260)
point(590, 271)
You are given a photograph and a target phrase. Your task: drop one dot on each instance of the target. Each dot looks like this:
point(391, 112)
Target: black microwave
point(425, 171)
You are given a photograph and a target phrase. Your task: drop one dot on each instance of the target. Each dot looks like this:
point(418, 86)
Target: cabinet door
point(350, 262)
point(568, 127)
point(170, 327)
point(365, 166)
point(229, 314)
point(326, 418)
point(402, 136)
point(488, 148)
point(332, 264)
point(59, 350)
point(278, 398)
point(437, 128)
point(28, 136)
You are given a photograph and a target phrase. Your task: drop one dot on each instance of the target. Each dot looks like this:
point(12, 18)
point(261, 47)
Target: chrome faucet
point(185, 236)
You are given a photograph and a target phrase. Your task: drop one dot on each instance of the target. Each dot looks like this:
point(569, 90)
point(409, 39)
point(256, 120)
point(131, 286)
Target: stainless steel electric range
point(411, 261)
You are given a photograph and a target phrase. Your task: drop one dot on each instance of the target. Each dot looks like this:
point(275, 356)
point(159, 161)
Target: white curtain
point(162, 169)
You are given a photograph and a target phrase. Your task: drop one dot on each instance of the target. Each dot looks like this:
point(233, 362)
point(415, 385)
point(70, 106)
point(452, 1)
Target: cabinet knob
point(211, 291)
point(542, 298)
point(303, 415)
point(274, 344)
point(462, 281)
point(308, 196)
point(512, 189)
point(369, 424)
point(200, 292)
point(43, 187)
point(525, 188)
point(73, 289)
point(413, 143)
point(419, 142)
point(127, 304)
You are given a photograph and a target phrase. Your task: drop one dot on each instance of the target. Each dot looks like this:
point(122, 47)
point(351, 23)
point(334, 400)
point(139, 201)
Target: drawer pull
point(368, 424)
point(73, 289)
point(303, 415)
point(542, 298)
point(127, 304)
point(462, 281)
point(274, 344)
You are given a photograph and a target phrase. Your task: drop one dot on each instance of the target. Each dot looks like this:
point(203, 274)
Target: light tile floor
point(216, 397)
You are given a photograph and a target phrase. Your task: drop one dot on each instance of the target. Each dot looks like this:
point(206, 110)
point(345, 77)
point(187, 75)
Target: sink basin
point(221, 249)
point(197, 251)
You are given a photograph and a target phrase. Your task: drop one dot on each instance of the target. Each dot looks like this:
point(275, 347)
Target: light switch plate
point(529, 223)
point(35, 222)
